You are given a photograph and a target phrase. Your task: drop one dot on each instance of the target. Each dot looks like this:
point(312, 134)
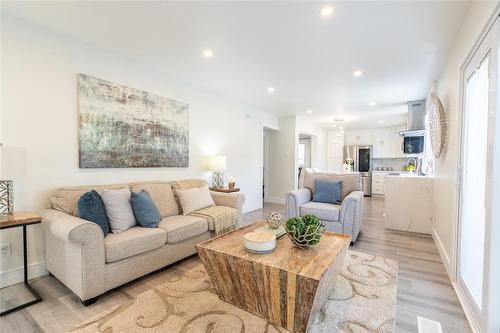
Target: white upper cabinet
point(397, 142)
point(382, 145)
point(359, 137)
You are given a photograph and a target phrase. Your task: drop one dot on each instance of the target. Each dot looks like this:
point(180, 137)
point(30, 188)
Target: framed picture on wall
point(123, 127)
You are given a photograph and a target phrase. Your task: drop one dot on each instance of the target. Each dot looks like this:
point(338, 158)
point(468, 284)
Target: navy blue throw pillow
point(91, 208)
point(327, 191)
point(145, 211)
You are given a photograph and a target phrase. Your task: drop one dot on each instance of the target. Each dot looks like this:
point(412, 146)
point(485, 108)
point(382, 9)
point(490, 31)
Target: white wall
point(283, 159)
point(39, 111)
point(448, 89)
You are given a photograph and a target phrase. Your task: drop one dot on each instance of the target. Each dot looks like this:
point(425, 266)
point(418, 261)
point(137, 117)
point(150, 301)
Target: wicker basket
point(305, 240)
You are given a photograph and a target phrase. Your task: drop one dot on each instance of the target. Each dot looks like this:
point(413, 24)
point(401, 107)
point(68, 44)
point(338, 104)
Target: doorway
point(303, 153)
point(476, 174)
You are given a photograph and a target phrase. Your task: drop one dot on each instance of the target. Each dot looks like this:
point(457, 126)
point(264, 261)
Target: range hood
point(416, 119)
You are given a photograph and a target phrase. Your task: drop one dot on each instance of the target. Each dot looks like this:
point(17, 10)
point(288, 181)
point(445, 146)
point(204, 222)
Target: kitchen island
point(408, 202)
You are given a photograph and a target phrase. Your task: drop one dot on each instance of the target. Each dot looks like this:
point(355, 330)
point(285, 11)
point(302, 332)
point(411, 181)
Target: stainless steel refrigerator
point(360, 157)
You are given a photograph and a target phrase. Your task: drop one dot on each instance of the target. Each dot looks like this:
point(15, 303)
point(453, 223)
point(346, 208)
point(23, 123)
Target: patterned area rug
point(364, 300)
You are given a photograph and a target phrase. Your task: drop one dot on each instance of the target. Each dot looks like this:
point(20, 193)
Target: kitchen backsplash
point(397, 164)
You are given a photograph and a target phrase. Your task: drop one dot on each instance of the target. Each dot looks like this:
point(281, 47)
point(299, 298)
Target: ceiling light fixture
point(309, 111)
point(373, 103)
point(357, 73)
point(270, 90)
point(207, 53)
point(326, 11)
point(380, 122)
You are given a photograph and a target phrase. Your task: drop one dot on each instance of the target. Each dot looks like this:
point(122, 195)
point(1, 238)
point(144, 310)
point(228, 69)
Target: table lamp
point(217, 164)
point(12, 165)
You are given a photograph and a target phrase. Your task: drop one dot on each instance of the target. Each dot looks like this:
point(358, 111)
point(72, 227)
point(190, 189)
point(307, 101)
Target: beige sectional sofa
point(78, 254)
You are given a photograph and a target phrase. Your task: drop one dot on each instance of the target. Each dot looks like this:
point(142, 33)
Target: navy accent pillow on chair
point(145, 211)
point(91, 208)
point(327, 191)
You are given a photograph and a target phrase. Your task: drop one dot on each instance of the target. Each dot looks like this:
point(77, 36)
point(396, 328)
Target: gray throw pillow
point(327, 191)
point(118, 209)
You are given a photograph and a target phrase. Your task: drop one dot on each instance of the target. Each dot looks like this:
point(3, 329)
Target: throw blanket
point(222, 219)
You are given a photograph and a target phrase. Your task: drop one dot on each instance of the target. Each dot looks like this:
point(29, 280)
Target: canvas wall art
point(122, 127)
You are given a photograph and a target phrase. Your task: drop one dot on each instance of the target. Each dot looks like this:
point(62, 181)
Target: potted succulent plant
point(304, 231)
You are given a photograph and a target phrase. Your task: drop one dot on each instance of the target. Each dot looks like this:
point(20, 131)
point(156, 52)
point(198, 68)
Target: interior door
point(475, 173)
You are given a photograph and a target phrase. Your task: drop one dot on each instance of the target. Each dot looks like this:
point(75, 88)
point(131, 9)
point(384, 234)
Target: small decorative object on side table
point(230, 182)
point(225, 190)
point(304, 232)
point(22, 219)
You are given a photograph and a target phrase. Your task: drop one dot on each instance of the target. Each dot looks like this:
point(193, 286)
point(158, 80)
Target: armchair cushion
point(324, 211)
point(327, 191)
point(350, 181)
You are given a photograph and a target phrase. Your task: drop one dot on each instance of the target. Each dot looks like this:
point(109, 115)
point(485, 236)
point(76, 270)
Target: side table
point(22, 219)
point(225, 189)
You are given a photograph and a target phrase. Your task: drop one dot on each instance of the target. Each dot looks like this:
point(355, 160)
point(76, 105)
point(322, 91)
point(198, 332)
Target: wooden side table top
point(225, 189)
point(19, 219)
point(311, 263)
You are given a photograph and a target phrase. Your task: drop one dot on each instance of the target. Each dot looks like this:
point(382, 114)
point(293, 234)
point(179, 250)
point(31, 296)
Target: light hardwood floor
point(423, 286)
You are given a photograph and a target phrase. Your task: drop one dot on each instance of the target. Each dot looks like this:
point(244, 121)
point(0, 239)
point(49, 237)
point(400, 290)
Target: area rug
point(364, 300)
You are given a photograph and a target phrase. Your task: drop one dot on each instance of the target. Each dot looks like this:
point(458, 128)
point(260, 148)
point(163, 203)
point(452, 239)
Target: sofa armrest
point(234, 200)
point(74, 251)
point(295, 199)
point(351, 213)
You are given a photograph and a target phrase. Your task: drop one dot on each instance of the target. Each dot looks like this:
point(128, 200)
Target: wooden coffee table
point(287, 287)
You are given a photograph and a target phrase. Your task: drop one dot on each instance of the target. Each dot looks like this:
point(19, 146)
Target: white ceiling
point(309, 59)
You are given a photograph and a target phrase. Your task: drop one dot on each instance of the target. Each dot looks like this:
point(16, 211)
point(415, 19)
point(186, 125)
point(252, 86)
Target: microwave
point(413, 145)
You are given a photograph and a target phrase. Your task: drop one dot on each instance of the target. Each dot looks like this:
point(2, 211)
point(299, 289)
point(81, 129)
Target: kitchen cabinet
point(382, 144)
point(397, 142)
point(359, 137)
point(378, 182)
point(335, 150)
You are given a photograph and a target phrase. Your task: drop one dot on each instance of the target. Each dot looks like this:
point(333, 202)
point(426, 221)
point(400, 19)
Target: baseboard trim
point(474, 325)
point(251, 207)
point(276, 200)
point(16, 275)
point(442, 253)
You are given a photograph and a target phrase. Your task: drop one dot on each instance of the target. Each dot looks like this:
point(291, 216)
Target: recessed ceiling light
point(270, 90)
point(207, 53)
point(341, 128)
point(357, 72)
point(380, 122)
point(373, 103)
point(334, 126)
point(326, 11)
point(309, 111)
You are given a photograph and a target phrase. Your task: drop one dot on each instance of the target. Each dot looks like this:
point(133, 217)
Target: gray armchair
point(345, 218)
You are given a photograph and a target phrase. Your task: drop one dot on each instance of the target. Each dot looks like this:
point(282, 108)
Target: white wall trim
point(467, 310)
point(442, 253)
point(16, 275)
point(276, 200)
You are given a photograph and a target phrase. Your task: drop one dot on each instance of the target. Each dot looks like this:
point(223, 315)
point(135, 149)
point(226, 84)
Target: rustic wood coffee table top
point(288, 287)
point(311, 263)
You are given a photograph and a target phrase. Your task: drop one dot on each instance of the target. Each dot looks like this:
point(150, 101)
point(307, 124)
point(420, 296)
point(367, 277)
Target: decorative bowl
point(274, 220)
point(304, 231)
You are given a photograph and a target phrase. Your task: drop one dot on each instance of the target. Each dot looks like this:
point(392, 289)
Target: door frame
point(482, 49)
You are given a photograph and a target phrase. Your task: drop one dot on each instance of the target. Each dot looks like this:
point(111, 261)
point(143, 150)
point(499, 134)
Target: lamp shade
point(12, 162)
point(217, 163)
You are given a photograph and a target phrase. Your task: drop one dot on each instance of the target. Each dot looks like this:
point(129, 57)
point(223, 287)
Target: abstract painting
point(122, 127)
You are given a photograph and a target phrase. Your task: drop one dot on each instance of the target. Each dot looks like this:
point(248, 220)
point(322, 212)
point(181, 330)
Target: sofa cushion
point(180, 227)
point(350, 181)
point(91, 208)
point(145, 211)
point(324, 211)
point(119, 210)
point(66, 199)
point(162, 195)
point(194, 199)
point(132, 242)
